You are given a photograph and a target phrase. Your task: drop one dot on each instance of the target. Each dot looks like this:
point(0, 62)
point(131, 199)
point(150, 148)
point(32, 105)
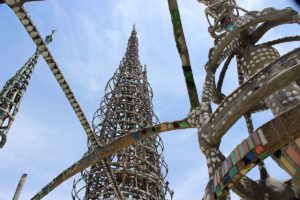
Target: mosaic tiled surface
point(289, 157)
point(241, 160)
point(252, 149)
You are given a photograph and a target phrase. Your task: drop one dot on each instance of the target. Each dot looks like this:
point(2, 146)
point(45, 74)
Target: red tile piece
point(237, 155)
point(255, 139)
point(293, 155)
point(259, 149)
point(245, 147)
point(229, 162)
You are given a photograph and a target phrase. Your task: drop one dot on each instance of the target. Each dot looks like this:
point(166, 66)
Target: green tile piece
point(241, 151)
point(263, 156)
point(233, 171)
point(2, 113)
point(170, 125)
point(149, 130)
point(250, 143)
point(233, 159)
point(183, 124)
point(218, 191)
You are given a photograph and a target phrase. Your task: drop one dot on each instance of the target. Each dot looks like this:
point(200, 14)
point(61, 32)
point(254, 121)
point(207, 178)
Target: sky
point(46, 136)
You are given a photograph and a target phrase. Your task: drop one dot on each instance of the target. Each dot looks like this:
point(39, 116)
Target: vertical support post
point(19, 187)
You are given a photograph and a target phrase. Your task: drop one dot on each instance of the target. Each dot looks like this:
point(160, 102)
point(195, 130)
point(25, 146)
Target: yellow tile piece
point(244, 171)
point(163, 127)
point(287, 165)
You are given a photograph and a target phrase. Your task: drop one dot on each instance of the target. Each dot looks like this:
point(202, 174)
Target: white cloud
point(91, 40)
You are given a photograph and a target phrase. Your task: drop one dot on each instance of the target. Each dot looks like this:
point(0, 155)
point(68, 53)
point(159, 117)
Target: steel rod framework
point(267, 82)
point(183, 53)
point(139, 170)
point(13, 91)
point(267, 78)
point(17, 7)
point(108, 150)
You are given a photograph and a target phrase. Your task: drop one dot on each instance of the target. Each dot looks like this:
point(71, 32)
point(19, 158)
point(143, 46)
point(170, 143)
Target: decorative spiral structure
point(13, 92)
point(140, 169)
point(236, 33)
point(127, 161)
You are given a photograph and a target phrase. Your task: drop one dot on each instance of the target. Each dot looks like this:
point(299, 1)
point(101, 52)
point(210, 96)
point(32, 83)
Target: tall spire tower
point(140, 169)
point(13, 92)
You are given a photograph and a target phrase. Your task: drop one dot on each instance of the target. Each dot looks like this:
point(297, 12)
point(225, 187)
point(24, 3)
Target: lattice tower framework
point(140, 169)
point(13, 92)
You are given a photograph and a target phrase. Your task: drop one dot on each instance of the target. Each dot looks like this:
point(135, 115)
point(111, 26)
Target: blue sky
point(46, 136)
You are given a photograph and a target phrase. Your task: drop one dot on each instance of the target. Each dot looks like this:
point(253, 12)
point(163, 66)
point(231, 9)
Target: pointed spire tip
point(50, 37)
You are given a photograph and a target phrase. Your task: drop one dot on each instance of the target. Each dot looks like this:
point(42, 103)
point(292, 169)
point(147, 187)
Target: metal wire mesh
point(140, 169)
point(13, 92)
point(11, 95)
